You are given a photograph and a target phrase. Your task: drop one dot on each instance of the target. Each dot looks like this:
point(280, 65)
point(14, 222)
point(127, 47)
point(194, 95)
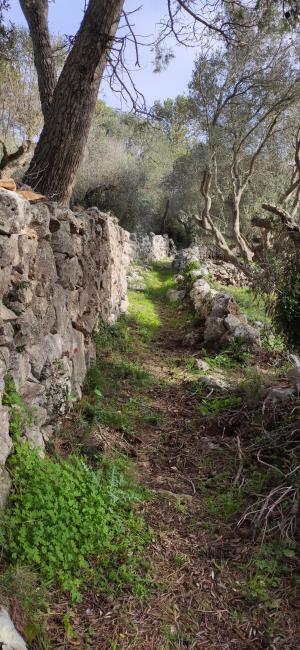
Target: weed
point(218, 404)
point(225, 505)
point(103, 376)
point(192, 368)
point(73, 525)
point(113, 337)
point(234, 356)
point(20, 587)
point(271, 341)
point(181, 506)
point(267, 570)
point(250, 388)
point(20, 414)
point(180, 560)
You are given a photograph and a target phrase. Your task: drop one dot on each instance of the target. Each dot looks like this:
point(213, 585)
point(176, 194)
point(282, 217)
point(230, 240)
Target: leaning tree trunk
point(36, 14)
point(245, 249)
point(58, 153)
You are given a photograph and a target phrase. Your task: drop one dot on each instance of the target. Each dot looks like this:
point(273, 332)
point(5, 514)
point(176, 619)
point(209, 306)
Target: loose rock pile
point(219, 270)
point(221, 315)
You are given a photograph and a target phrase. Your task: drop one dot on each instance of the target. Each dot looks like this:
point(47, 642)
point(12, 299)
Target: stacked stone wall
point(60, 273)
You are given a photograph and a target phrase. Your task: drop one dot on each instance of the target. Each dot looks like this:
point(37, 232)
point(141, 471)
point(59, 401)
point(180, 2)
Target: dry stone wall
point(151, 247)
point(60, 272)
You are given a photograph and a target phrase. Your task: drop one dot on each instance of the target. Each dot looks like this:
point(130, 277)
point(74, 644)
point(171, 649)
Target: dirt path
point(208, 589)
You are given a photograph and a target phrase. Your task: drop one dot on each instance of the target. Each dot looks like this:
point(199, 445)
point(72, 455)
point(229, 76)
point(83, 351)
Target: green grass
point(144, 313)
point(144, 307)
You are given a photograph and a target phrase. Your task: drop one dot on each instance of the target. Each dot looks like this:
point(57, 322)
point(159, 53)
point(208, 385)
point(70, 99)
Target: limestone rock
point(40, 220)
point(5, 281)
point(214, 329)
point(62, 241)
point(195, 274)
point(202, 296)
point(219, 270)
point(78, 361)
point(186, 256)
point(35, 437)
point(6, 333)
point(151, 247)
point(175, 295)
point(45, 268)
point(214, 383)
point(10, 639)
point(14, 213)
point(202, 365)
point(7, 314)
point(6, 445)
point(9, 253)
point(69, 271)
point(222, 317)
point(61, 273)
point(32, 392)
point(5, 485)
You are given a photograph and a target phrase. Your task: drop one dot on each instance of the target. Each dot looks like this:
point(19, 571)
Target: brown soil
point(201, 562)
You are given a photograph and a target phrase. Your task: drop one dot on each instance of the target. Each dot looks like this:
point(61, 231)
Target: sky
point(65, 17)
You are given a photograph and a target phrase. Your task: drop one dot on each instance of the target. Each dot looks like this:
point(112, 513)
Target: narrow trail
point(200, 597)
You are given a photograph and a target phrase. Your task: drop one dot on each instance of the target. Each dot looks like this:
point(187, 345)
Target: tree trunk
point(58, 153)
point(165, 217)
point(36, 14)
point(245, 249)
point(11, 162)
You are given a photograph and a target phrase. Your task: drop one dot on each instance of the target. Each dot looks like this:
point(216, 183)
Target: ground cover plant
point(210, 463)
point(74, 525)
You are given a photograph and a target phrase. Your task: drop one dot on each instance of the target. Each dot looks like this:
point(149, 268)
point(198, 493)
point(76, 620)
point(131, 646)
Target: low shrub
point(73, 524)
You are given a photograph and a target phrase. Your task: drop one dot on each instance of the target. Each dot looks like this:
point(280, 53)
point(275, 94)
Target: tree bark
point(10, 162)
point(58, 153)
point(245, 249)
point(207, 222)
point(36, 14)
point(165, 217)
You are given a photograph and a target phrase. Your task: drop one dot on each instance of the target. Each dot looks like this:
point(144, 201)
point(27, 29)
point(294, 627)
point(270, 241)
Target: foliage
point(224, 505)
point(215, 405)
point(20, 414)
point(267, 571)
point(285, 310)
point(113, 337)
point(74, 525)
point(125, 163)
point(234, 356)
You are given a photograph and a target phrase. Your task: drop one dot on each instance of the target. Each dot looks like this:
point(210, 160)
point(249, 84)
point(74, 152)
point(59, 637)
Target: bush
point(285, 311)
point(72, 524)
